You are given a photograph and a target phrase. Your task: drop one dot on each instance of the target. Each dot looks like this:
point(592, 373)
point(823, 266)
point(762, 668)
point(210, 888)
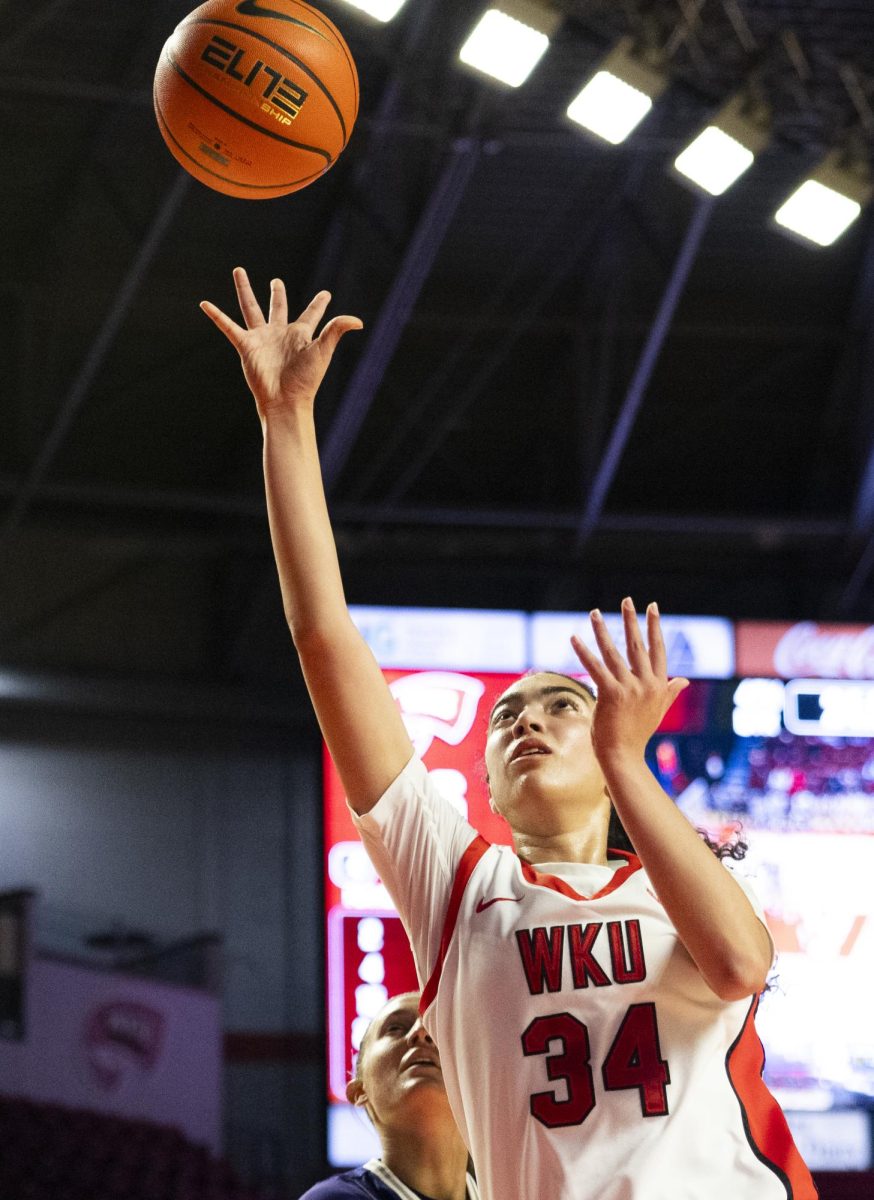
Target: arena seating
point(809, 783)
point(49, 1152)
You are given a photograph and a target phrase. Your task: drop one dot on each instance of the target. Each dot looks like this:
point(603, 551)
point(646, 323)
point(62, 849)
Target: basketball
point(256, 98)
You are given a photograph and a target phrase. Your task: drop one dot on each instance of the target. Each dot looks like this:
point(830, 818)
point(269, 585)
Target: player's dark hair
point(618, 839)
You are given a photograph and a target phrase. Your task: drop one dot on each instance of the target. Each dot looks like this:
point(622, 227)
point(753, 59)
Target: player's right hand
point(283, 362)
point(633, 696)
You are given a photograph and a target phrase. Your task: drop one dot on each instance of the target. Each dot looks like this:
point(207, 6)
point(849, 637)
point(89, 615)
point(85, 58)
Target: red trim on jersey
point(764, 1124)
point(463, 872)
point(558, 885)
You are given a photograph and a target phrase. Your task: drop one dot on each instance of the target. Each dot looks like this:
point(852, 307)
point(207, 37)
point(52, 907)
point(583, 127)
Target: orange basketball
point(256, 98)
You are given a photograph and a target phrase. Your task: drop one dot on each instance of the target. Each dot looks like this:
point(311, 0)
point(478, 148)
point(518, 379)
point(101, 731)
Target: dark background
point(470, 465)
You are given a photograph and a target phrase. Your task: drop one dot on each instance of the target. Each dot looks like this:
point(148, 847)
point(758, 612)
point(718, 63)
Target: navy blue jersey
point(362, 1181)
point(351, 1185)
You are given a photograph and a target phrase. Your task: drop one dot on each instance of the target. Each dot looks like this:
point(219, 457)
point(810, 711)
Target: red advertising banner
point(805, 650)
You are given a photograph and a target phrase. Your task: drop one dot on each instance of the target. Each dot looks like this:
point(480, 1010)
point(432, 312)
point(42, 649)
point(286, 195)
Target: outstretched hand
point(633, 696)
point(284, 362)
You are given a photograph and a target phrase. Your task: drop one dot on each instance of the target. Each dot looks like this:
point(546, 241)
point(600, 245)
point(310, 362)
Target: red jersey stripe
point(764, 1123)
point(469, 859)
point(533, 876)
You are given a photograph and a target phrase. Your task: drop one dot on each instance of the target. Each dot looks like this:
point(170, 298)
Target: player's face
point(400, 1069)
point(543, 773)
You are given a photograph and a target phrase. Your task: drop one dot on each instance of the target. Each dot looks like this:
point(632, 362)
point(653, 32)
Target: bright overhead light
point(828, 201)
point(726, 147)
point(609, 107)
point(714, 160)
point(618, 96)
point(510, 39)
point(817, 213)
point(381, 10)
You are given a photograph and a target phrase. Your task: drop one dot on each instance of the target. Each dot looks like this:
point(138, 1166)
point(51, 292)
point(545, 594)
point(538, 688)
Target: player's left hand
point(633, 696)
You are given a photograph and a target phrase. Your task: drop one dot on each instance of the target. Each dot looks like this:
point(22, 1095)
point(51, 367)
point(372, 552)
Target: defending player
point(594, 1010)
point(398, 1081)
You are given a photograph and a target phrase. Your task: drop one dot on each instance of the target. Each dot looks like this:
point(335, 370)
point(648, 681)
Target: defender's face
point(539, 755)
point(400, 1069)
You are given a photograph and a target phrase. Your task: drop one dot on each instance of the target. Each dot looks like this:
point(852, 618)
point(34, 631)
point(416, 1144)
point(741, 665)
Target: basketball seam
point(287, 54)
point(338, 37)
point(278, 16)
point(271, 133)
point(341, 42)
point(226, 178)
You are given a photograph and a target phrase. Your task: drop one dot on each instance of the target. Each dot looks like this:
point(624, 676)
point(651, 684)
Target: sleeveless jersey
point(584, 1056)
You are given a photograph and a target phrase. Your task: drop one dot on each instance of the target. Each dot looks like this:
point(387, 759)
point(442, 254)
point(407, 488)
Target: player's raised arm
point(715, 920)
point(284, 363)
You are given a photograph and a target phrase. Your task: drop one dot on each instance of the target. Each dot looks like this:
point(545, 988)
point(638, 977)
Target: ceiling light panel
point(618, 96)
point(509, 40)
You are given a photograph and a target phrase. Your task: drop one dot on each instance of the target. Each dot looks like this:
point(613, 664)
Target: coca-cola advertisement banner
point(805, 649)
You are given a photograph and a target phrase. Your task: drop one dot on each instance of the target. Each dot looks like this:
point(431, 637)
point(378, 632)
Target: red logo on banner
point(437, 704)
point(120, 1036)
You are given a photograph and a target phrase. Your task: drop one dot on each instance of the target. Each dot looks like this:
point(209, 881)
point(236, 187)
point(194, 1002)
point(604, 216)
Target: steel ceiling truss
point(116, 314)
point(644, 370)
point(451, 410)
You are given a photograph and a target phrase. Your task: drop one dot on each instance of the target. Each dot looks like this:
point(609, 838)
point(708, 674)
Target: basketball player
point(398, 1082)
point(594, 1009)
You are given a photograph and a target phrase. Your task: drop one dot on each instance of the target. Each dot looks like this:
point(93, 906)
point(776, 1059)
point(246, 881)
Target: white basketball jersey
point(584, 1056)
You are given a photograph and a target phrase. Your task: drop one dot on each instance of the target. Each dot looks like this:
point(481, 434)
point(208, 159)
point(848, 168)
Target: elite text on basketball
point(275, 93)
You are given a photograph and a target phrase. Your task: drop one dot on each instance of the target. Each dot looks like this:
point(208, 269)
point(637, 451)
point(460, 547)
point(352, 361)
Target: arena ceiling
point(577, 379)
